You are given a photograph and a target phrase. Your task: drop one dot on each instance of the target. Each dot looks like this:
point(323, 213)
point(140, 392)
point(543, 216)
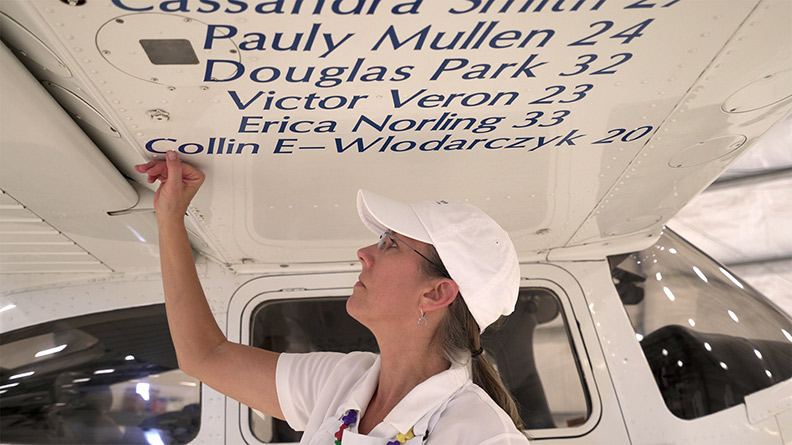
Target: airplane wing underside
point(581, 126)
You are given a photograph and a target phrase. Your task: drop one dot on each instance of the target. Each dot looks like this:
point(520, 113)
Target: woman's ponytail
point(457, 336)
point(484, 373)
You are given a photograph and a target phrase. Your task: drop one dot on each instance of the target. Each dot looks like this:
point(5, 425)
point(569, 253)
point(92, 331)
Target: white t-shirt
point(316, 389)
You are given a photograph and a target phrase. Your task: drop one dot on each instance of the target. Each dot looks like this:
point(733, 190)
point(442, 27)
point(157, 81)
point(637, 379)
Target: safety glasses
point(388, 234)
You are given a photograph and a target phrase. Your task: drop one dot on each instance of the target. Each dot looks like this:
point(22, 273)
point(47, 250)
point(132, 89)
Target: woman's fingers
point(179, 183)
point(156, 171)
point(191, 176)
point(173, 168)
point(142, 168)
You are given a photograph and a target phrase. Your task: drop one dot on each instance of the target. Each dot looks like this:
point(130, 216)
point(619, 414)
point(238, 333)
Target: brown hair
point(458, 335)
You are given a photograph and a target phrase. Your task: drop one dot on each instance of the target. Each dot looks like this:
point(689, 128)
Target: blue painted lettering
point(282, 145)
point(121, 5)
point(483, 6)
point(178, 6)
point(150, 145)
point(214, 146)
point(485, 70)
point(339, 7)
point(473, 38)
point(447, 121)
point(212, 4)
point(464, 99)
point(325, 78)
point(212, 34)
point(569, 139)
point(255, 124)
point(491, 143)
point(280, 42)
point(381, 145)
point(311, 101)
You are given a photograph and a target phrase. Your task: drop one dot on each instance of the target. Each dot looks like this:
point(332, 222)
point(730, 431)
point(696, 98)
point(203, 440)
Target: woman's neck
point(404, 364)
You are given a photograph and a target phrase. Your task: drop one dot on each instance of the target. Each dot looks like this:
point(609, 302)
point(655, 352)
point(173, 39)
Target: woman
point(419, 388)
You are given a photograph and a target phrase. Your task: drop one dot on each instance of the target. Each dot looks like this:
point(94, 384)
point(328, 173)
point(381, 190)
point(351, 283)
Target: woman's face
point(390, 285)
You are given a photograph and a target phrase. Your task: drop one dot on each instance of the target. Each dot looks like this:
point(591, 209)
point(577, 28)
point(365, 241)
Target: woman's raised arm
point(244, 373)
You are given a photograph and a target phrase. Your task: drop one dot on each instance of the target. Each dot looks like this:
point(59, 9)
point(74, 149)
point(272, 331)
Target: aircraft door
point(539, 351)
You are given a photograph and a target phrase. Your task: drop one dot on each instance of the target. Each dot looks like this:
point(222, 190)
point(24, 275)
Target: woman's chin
point(351, 307)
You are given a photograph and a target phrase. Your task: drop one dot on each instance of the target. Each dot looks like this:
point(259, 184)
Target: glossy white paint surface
point(682, 61)
point(769, 402)
point(58, 188)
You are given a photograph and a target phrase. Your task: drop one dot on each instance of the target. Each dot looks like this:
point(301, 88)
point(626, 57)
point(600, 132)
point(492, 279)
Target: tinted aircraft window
point(709, 338)
point(532, 350)
point(109, 377)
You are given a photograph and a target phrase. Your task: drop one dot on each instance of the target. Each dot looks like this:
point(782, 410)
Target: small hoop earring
point(422, 321)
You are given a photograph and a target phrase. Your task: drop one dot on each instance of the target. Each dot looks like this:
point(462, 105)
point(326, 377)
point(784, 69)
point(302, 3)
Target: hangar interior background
point(744, 219)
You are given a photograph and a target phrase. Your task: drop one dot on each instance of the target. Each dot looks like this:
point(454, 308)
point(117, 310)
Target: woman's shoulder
point(306, 380)
point(472, 402)
point(323, 366)
point(355, 359)
point(471, 416)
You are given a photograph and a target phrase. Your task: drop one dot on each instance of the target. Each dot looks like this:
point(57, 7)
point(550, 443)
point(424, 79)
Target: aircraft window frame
point(579, 352)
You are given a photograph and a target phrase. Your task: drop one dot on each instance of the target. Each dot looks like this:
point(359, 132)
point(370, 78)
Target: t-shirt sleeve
point(299, 379)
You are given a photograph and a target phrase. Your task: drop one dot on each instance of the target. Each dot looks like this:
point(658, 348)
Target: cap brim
point(379, 214)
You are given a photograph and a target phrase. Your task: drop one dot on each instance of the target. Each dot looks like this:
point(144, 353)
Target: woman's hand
point(179, 183)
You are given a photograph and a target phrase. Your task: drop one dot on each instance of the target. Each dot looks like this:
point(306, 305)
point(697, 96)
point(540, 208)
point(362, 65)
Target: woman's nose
point(366, 255)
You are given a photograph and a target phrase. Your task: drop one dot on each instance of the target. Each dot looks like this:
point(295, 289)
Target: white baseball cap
point(475, 250)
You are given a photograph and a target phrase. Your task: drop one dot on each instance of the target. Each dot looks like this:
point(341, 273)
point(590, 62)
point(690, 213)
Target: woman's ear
point(441, 295)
